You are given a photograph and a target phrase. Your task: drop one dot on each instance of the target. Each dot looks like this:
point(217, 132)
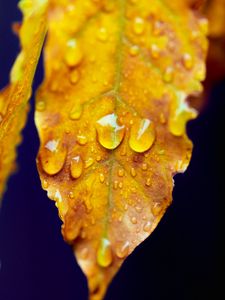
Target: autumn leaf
point(14, 98)
point(111, 115)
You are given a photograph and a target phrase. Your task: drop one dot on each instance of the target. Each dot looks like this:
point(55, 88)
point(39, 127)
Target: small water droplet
point(134, 220)
point(204, 26)
point(156, 209)
point(134, 50)
point(147, 227)
point(110, 133)
point(138, 25)
point(71, 195)
point(138, 209)
point(133, 172)
point(89, 162)
point(148, 181)
point(98, 158)
point(73, 55)
point(104, 253)
point(115, 184)
point(122, 249)
point(82, 139)
point(74, 76)
point(155, 51)
point(188, 61)
point(40, 105)
point(144, 167)
point(102, 34)
point(53, 156)
point(120, 185)
point(76, 112)
point(45, 184)
point(121, 172)
point(101, 177)
point(76, 167)
point(168, 74)
point(142, 135)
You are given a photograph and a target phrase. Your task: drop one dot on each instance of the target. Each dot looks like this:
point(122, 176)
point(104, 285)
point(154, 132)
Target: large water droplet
point(53, 157)
point(142, 135)
point(110, 133)
point(104, 253)
point(76, 167)
point(73, 55)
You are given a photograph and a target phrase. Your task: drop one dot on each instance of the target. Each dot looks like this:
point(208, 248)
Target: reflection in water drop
point(142, 135)
point(110, 133)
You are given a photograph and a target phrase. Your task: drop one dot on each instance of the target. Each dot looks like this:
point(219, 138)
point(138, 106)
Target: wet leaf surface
point(111, 115)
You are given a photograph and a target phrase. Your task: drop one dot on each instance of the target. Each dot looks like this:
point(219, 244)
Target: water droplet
point(115, 184)
point(134, 50)
point(180, 114)
point(45, 184)
point(156, 209)
point(53, 156)
point(73, 55)
point(134, 220)
point(144, 167)
point(101, 177)
point(155, 51)
point(168, 74)
point(98, 158)
point(147, 227)
point(204, 25)
point(122, 249)
point(89, 162)
point(76, 167)
point(71, 195)
point(110, 133)
point(120, 185)
point(82, 139)
point(40, 105)
point(76, 112)
point(148, 181)
point(138, 209)
point(133, 172)
point(138, 25)
point(188, 61)
point(142, 135)
point(121, 172)
point(102, 34)
point(74, 76)
point(104, 253)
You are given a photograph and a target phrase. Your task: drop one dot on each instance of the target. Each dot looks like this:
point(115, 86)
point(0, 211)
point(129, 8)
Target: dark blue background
point(184, 259)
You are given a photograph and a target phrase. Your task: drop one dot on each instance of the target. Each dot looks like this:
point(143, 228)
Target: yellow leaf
point(111, 115)
point(14, 98)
